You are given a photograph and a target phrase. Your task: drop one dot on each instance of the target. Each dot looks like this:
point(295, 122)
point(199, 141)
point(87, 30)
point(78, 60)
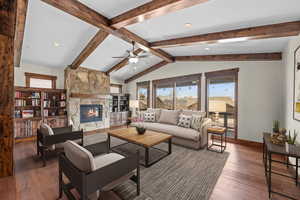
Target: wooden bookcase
point(34, 106)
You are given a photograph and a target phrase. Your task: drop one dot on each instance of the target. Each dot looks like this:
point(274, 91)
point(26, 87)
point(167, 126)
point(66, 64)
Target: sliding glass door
point(221, 100)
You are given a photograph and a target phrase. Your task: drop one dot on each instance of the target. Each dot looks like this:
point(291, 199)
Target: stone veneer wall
point(91, 82)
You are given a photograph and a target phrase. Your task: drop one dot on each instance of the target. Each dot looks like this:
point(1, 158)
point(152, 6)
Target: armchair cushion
point(79, 156)
point(84, 160)
point(106, 159)
point(46, 130)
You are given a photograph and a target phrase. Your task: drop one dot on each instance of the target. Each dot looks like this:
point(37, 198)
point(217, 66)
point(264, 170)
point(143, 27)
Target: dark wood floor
point(242, 178)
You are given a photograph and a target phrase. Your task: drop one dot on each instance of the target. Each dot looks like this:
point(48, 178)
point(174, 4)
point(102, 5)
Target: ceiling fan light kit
point(133, 56)
point(134, 60)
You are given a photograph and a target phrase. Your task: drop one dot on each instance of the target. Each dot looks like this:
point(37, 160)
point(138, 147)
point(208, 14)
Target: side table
point(269, 150)
point(217, 131)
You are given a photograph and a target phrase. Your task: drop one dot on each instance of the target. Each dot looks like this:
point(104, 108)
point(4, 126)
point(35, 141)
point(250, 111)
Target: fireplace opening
point(91, 113)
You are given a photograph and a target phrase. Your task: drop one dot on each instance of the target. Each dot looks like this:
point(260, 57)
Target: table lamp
point(134, 105)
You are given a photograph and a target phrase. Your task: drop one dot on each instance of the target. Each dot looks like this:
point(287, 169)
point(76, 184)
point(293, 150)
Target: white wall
point(20, 74)
point(260, 91)
point(288, 61)
point(53, 71)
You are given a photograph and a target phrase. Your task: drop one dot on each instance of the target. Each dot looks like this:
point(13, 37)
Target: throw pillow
point(169, 117)
point(185, 121)
point(157, 112)
point(196, 122)
point(149, 116)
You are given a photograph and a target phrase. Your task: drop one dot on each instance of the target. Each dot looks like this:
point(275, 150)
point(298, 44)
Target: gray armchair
point(52, 139)
point(93, 169)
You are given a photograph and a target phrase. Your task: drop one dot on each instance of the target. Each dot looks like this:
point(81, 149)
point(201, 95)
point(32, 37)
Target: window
point(222, 99)
point(40, 81)
point(187, 95)
point(178, 93)
point(143, 95)
point(164, 97)
point(115, 88)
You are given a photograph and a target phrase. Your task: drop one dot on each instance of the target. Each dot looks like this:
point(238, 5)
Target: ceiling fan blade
point(145, 56)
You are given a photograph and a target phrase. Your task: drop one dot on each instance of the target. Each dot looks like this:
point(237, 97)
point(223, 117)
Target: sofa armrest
point(203, 131)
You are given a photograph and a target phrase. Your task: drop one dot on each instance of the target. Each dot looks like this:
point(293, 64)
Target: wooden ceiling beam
point(232, 57)
point(79, 10)
point(123, 63)
point(224, 57)
point(151, 10)
point(150, 69)
point(259, 32)
point(88, 50)
point(20, 28)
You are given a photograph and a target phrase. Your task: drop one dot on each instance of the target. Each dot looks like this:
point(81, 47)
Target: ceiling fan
point(133, 57)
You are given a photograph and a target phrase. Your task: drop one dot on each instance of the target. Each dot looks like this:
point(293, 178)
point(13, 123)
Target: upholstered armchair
point(52, 139)
point(92, 170)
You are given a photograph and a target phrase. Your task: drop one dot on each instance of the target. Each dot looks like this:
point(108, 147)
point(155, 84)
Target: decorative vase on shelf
point(287, 147)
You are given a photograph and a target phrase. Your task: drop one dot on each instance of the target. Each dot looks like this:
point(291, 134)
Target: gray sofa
point(187, 137)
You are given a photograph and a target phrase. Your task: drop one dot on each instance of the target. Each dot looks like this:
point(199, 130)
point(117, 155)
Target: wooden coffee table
point(148, 140)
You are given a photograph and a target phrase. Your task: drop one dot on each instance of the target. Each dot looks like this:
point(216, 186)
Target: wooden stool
point(219, 131)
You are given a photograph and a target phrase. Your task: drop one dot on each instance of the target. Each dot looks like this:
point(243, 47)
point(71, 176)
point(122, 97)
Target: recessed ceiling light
point(207, 48)
point(188, 25)
point(56, 44)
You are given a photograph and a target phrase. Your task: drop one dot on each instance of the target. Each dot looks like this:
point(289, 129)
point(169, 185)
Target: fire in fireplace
point(90, 113)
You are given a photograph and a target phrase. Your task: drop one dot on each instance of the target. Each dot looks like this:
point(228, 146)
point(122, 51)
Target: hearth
point(91, 113)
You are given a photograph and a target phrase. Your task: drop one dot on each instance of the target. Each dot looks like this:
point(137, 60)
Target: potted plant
point(140, 127)
point(275, 126)
point(291, 140)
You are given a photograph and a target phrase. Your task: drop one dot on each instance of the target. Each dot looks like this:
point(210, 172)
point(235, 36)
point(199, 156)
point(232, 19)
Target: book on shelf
point(46, 112)
point(27, 113)
point(45, 95)
point(18, 94)
point(47, 103)
point(35, 95)
point(35, 102)
point(20, 102)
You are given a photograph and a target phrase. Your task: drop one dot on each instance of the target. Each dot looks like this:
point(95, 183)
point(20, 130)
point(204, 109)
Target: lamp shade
point(133, 103)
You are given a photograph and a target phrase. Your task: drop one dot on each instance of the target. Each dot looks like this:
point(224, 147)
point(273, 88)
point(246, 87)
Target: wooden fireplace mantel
point(87, 96)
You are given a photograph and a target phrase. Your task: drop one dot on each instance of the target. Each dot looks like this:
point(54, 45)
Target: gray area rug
point(184, 175)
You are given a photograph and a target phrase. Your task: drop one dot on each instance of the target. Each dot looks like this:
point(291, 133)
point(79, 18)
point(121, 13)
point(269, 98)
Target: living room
point(149, 99)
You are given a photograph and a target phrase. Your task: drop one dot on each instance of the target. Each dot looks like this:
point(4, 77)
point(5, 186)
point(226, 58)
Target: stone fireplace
point(88, 99)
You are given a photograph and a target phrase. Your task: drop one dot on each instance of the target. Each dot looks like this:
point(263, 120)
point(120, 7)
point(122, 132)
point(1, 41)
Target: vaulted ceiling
point(54, 38)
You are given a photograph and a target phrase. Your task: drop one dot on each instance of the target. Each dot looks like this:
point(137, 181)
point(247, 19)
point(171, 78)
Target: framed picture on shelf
point(296, 100)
